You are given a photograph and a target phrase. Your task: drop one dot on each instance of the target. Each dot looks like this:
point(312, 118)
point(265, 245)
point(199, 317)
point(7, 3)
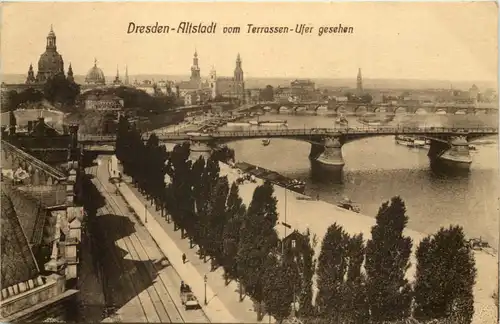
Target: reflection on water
point(377, 169)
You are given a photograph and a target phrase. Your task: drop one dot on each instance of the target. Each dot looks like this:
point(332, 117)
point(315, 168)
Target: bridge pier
point(454, 155)
point(200, 149)
point(329, 157)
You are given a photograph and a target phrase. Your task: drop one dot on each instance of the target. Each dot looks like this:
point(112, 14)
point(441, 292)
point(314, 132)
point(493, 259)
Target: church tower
point(117, 78)
point(70, 77)
point(195, 69)
point(126, 75)
point(239, 84)
point(359, 83)
point(213, 82)
point(31, 75)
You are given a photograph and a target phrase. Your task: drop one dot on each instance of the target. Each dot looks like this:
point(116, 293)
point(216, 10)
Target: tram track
point(156, 301)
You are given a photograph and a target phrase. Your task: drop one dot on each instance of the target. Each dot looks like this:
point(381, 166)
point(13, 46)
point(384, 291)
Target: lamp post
point(145, 213)
point(205, 280)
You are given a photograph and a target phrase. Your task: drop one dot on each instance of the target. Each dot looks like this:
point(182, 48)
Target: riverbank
point(301, 212)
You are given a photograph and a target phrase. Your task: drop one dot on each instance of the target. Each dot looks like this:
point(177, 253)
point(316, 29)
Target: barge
point(274, 177)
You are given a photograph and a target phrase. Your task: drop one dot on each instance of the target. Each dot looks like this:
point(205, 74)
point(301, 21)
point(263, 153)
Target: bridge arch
point(480, 112)
point(441, 111)
point(341, 109)
point(400, 110)
point(380, 110)
point(421, 111)
point(283, 109)
point(461, 112)
point(361, 110)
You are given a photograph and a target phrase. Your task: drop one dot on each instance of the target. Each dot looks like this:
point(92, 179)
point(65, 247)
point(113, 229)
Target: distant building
point(283, 94)
point(104, 102)
point(196, 97)
point(95, 76)
point(50, 64)
point(229, 87)
point(303, 90)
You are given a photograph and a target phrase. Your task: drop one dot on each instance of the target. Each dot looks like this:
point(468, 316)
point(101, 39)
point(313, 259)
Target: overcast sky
point(446, 41)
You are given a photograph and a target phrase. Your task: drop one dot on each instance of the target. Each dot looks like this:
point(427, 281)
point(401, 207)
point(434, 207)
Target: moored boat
point(347, 203)
point(266, 142)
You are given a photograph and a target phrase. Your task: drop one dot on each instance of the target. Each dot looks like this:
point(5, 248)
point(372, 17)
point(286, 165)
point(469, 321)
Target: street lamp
point(145, 213)
point(205, 280)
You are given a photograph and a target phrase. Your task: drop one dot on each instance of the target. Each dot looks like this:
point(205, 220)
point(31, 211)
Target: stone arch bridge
point(360, 108)
point(326, 143)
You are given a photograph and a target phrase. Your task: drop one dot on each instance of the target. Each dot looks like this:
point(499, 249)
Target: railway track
point(156, 302)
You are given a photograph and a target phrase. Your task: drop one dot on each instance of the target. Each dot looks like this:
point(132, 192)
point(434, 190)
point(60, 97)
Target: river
point(377, 169)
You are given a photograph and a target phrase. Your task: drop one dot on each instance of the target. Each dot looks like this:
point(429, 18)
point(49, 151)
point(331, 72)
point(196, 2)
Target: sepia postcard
point(237, 162)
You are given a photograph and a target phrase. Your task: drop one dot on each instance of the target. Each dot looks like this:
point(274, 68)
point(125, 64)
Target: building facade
point(303, 90)
point(104, 103)
point(229, 87)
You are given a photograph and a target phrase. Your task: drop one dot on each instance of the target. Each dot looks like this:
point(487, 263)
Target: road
point(139, 285)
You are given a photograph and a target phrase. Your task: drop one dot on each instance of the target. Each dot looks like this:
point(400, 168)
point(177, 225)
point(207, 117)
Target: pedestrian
point(183, 258)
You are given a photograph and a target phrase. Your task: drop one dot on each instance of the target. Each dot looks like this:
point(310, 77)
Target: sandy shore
point(317, 215)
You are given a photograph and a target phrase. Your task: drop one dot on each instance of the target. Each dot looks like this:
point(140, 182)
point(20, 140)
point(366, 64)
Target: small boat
point(237, 124)
point(273, 123)
point(472, 147)
point(266, 142)
point(349, 205)
point(410, 141)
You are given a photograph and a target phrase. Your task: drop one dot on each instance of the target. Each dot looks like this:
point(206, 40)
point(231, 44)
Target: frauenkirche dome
point(50, 62)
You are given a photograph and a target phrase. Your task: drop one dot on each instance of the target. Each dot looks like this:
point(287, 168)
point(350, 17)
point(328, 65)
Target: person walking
point(183, 258)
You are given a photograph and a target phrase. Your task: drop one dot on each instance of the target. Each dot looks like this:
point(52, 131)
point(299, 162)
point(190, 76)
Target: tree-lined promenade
point(357, 280)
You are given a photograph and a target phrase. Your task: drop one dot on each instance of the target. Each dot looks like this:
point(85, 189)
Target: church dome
point(51, 62)
point(95, 76)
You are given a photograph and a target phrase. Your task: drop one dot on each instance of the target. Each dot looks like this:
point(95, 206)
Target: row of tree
point(356, 282)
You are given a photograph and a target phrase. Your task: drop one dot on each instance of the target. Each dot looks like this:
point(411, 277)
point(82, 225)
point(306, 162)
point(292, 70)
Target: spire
point(117, 78)
point(359, 83)
point(126, 74)
point(31, 75)
point(95, 61)
point(238, 58)
point(69, 76)
point(51, 39)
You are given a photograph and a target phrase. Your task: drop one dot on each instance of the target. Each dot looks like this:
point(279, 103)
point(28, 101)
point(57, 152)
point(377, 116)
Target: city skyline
point(394, 50)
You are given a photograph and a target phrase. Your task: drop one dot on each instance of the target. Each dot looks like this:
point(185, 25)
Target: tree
point(332, 267)
point(258, 239)
point(217, 219)
point(277, 293)
point(308, 268)
point(179, 170)
point(58, 89)
point(387, 260)
point(209, 181)
point(267, 94)
point(366, 98)
point(445, 277)
point(235, 210)
point(356, 303)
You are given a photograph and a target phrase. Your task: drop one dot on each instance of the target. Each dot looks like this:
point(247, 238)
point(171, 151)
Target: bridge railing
point(307, 132)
